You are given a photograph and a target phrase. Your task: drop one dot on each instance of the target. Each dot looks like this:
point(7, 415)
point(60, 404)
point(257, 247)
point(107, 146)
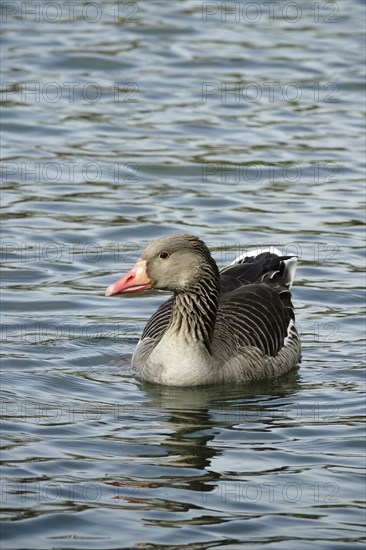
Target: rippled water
point(126, 122)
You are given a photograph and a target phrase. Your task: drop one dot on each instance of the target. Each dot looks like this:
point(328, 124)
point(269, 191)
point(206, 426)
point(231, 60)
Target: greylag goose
point(233, 325)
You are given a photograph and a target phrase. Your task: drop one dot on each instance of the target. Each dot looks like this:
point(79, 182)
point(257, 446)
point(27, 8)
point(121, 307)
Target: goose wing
point(257, 315)
point(255, 306)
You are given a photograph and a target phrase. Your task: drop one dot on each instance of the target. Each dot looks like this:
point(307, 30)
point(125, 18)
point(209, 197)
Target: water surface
point(125, 124)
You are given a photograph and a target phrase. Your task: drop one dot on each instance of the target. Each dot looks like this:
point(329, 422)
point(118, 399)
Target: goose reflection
point(196, 415)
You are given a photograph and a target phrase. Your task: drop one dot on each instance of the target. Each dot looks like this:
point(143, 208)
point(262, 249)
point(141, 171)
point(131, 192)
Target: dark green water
point(126, 122)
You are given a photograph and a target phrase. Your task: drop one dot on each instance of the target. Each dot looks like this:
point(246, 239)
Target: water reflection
point(203, 398)
point(194, 415)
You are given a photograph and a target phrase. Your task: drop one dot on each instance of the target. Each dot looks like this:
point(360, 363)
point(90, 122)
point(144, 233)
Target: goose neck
point(194, 311)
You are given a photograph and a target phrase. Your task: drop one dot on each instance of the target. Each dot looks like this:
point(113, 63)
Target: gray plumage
point(236, 325)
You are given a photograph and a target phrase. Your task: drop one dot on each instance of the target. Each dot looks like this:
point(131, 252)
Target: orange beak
point(134, 281)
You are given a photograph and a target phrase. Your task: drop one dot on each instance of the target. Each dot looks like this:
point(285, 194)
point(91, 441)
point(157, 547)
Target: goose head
point(176, 263)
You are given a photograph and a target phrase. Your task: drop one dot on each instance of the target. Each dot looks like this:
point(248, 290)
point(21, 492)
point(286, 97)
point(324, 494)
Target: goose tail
point(284, 267)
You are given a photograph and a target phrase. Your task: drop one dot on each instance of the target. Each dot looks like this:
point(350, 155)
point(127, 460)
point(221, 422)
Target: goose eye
point(163, 255)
